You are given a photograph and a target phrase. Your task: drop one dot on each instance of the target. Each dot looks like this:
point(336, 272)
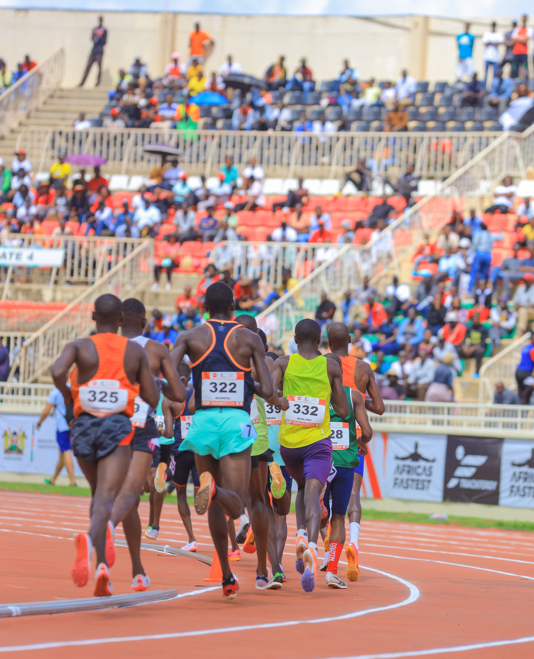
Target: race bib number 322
point(305, 411)
point(103, 397)
point(223, 389)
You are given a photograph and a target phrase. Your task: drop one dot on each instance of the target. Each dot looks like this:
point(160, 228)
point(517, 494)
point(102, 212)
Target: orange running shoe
point(249, 546)
point(110, 544)
point(160, 479)
point(324, 509)
point(302, 545)
point(140, 583)
point(205, 493)
point(82, 564)
point(230, 587)
point(103, 587)
point(234, 555)
point(353, 569)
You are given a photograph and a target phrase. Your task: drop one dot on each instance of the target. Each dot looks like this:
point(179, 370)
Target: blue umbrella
point(209, 98)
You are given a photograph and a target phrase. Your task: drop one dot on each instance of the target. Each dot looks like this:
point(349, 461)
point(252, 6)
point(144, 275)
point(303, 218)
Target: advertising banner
point(31, 257)
point(517, 474)
point(472, 469)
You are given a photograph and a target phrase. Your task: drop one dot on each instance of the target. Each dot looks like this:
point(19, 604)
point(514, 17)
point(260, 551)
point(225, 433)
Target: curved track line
point(414, 596)
point(453, 553)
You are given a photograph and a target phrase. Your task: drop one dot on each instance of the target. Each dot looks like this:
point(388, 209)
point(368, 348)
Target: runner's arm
point(179, 351)
point(279, 367)
point(167, 416)
point(61, 368)
point(147, 387)
point(339, 399)
point(376, 404)
point(264, 388)
point(361, 417)
point(173, 389)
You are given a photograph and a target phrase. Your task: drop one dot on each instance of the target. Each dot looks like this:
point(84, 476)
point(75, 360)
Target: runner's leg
point(259, 516)
point(184, 511)
point(355, 509)
point(69, 466)
point(132, 530)
point(128, 498)
point(231, 534)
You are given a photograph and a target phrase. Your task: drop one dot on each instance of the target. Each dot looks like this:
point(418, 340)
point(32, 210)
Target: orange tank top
point(109, 391)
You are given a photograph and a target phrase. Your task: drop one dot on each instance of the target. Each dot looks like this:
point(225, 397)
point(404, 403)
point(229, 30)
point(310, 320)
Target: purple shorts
point(312, 461)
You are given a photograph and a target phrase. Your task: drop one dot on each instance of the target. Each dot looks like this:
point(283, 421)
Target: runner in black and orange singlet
point(110, 372)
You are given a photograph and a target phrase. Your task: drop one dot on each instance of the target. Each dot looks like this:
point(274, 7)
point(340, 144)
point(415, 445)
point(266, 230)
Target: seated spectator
point(5, 76)
point(501, 89)
point(474, 93)
point(26, 211)
point(503, 396)
point(402, 367)
point(325, 311)
point(504, 196)
point(508, 271)
point(225, 232)
point(276, 75)
point(230, 67)
point(44, 198)
point(78, 203)
point(138, 69)
point(172, 175)
point(381, 211)
point(375, 314)
point(229, 215)
point(127, 229)
point(97, 181)
point(230, 171)
point(122, 81)
point(303, 125)
point(389, 95)
point(396, 120)
point(406, 184)
point(147, 218)
point(503, 322)
point(20, 191)
point(405, 89)
point(185, 301)
point(302, 80)
point(436, 314)
point(243, 117)
point(391, 388)
point(524, 301)
point(280, 117)
point(347, 233)
point(215, 84)
point(184, 219)
point(255, 197)
point(453, 331)
point(397, 294)
point(253, 169)
point(294, 197)
point(411, 329)
point(348, 78)
point(168, 334)
point(194, 68)
point(363, 292)
point(447, 239)
point(169, 252)
point(181, 190)
point(21, 162)
point(208, 226)
point(525, 209)
point(441, 388)
point(319, 215)
point(60, 172)
point(174, 71)
point(18, 74)
point(82, 123)
point(321, 234)
point(421, 376)
point(197, 84)
point(284, 233)
point(429, 342)
point(210, 277)
point(104, 219)
point(168, 109)
point(474, 344)
point(361, 177)
point(299, 220)
point(322, 126)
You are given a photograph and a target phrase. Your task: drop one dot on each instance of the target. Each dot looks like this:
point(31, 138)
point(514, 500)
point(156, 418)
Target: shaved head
point(308, 330)
point(338, 336)
point(248, 321)
point(107, 312)
point(133, 317)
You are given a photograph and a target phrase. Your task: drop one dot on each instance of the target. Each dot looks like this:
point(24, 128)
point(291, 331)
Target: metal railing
point(124, 280)
point(87, 258)
point(23, 398)
point(281, 154)
point(13, 341)
point(31, 91)
point(472, 419)
point(501, 368)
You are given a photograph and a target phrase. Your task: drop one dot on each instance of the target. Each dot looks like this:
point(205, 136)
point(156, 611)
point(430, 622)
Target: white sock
point(312, 545)
point(303, 533)
point(354, 533)
point(243, 519)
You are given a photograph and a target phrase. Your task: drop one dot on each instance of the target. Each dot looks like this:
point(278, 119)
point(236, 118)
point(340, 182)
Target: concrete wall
point(378, 47)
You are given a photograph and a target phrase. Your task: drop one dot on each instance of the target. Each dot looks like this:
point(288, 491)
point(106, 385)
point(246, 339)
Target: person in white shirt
point(82, 123)
point(256, 198)
point(218, 195)
point(252, 169)
point(517, 108)
point(280, 117)
point(167, 110)
point(284, 234)
point(230, 67)
point(405, 89)
point(491, 40)
point(26, 210)
point(20, 178)
point(504, 196)
point(175, 69)
point(127, 230)
point(147, 217)
point(323, 127)
point(21, 162)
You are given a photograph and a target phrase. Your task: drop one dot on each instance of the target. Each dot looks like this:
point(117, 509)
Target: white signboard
point(517, 474)
point(31, 258)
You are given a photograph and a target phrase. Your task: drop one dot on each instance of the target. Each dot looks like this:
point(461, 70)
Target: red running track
point(423, 591)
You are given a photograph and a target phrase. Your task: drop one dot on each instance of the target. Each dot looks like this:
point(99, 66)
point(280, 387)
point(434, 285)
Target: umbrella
point(243, 82)
point(85, 160)
point(208, 98)
point(162, 150)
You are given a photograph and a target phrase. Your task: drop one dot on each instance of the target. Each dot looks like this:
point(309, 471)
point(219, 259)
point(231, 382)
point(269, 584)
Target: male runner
point(222, 353)
point(111, 371)
point(347, 436)
point(356, 373)
point(309, 381)
point(125, 508)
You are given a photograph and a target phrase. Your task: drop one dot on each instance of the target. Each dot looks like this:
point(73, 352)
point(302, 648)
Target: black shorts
point(142, 439)
point(267, 456)
point(183, 464)
point(163, 454)
point(94, 438)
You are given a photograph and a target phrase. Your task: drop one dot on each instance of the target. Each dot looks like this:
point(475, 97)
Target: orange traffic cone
point(215, 574)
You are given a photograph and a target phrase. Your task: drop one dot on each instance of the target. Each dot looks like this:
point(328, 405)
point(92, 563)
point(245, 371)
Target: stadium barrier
point(281, 154)
point(31, 91)
point(501, 368)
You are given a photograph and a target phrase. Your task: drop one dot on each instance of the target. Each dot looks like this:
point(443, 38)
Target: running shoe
point(333, 581)
point(234, 555)
point(190, 546)
point(242, 532)
point(110, 544)
point(302, 546)
point(103, 587)
point(205, 493)
point(324, 564)
point(278, 482)
point(324, 509)
point(262, 582)
point(48, 481)
point(152, 532)
point(82, 563)
point(160, 479)
point(140, 583)
point(230, 587)
point(276, 582)
point(249, 546)
point(307, 579)
point(353, 569)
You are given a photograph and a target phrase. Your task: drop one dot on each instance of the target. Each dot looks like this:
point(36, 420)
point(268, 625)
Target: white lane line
point(457, 648)
point(413, 596)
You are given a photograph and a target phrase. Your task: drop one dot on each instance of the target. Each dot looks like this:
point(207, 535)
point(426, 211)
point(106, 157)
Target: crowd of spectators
point(9, 78)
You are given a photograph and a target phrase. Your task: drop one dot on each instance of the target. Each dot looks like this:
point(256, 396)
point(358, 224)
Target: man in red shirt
point(453, 331)
point(97, 181)
point(520, 38)
point(322, 234)
point(28, 64)
point(185, 301)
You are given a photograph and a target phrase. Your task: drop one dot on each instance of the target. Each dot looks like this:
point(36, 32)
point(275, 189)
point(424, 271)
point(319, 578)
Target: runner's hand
point(363, 449)
point(284, 404)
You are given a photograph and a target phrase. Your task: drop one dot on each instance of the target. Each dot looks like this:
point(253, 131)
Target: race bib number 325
point(103, 397)
point(223, 389)
point(305, 411)
point(340, 435)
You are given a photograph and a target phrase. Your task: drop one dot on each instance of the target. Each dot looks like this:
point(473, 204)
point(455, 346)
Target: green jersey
point(344, 440)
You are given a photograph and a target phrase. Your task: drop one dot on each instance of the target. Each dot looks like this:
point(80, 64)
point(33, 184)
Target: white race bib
point(185, 424)
point(160, 422)
point(340, 435)
point(223, 389)
point(254, 412)
point(273, 415)
point(140, 414)
point(305, 411)
point(103, 397)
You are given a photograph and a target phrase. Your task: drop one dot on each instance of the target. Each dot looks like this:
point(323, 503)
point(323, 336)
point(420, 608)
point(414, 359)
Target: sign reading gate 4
point(305, 411)
point(223, 389)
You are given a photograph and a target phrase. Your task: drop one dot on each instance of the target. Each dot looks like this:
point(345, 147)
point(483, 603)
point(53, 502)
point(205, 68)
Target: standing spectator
point(474, 344)
point(99, 38)
point(28, 64)
point(56, 402)
point(4, 362)
point(473, 93)
point(453, 331)
point(520, 38)
point(524, 300)
point(526, 364)
point(363, 292)
point(421, 376)
point(501, 89)
point(491, 40)
point(436, 314)
point(503, 396)
point(465, 41)
point(405, 89)
point(503, 322)
point(230, 67)
point(18, 74)
point(198, 40)
point(230, 171)
point(441, 388)
point(60, 172)
point(482, 248)
point(276, 75)
point(325, 311)
point(509, 53)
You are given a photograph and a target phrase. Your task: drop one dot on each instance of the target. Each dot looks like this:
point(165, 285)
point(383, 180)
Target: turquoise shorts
point(218, 432)
point(274, 444)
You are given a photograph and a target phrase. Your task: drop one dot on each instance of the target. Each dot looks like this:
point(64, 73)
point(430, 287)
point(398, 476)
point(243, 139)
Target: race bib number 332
point(305, 411)
point(103, 397)
point(223, 389)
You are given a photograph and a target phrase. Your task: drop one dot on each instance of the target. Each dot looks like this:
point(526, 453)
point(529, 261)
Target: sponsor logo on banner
point(414, 467)
point(472, 469)
point(14, 441)
point(517, 474)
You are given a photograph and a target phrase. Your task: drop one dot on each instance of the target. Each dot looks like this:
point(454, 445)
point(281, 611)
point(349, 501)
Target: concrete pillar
point(419, 32)
point(166, 39)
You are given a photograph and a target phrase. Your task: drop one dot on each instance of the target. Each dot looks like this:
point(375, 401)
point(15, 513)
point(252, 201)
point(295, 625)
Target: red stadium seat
point(120, 197)
point(48, 226)
point(73, 226)
point(246, 218)
point(165, 230)
point(360, 234)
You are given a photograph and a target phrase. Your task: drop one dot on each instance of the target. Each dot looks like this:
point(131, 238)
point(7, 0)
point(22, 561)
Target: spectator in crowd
point(492, 40)
point(184, 219)
point(406, 184)
point(466, 40)
point(138, 69)
point(405, 89)
point(441, 388)
point(371, 93)
point(348, 78)
point(168, 334)
point(503, 321)
point(127, 229)
point(509, 52)
point(302, 80)
point(194, 68)
point(210, 277)
point(147, 218)
point(243, 117)
point(253, 169)
point(448, 239)
point(97, 181)
point(21, 162)
point(225, 232)
point(325, 311)
point(421, 376)
point(382, 211)
point(526, 365)
point(60, 172)
point(363, 292)
point(303, 125)
point(5, 76)
point(284, 233)
point(474, 344)
point(524, 301)
point(230, 67)
point(520, 38)
point(453, 331)
point(208, 226)
point(482, 248)
point(504, 196)
point(501, 89)
point(322, 126)
point(4, 362)
point(411, 329)
point(276, 75)
point(361, 177)
point(169, 249)
point(474, 92)
point(375, 314)
point(99, 38)
point(347, 234)
point(392, 389)
point(503, 396)
point(197, 84)
point(321, 234)
point(175, 72)
point(199, 40)
point(317, 216)
point(82, 123)
point(396, 120)
point(255, 197)
point(436, 314)
point(508, 272)
point(294, 197)
point(230, 171)
point(215, 84)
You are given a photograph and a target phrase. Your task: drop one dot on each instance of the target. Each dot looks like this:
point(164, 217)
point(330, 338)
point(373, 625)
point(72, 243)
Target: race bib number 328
point(305, 411)
point(223, 389)
point(103, 397)
point(340, 435)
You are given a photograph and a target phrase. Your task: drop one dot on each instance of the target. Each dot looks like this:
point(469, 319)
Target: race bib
point(103, 397)
point(248, 431)
point(140, 414)
point(160, 422)
point(340, 435)
point(185, 424)
point(305, 411)
point(254, 412)
point(223, 389)
point(273, 415)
